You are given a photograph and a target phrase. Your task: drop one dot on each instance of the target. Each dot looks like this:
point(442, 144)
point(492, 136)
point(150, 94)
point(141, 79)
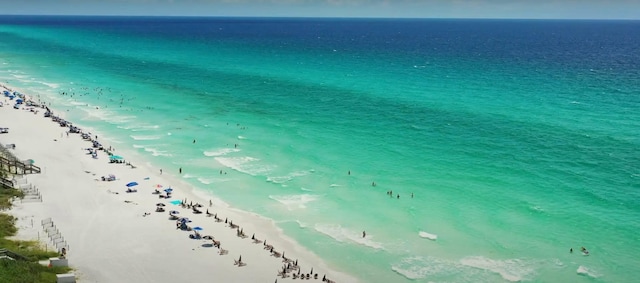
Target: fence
point(31, 193)
point(54, 234)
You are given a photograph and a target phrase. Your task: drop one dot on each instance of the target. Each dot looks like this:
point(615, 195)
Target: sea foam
point(342, 234)
point(286, 178)
point(429, 236)
point(513, 270)
point(295, 201)
point(220, 151)
point(145, 138)
point(582, 270)
point(419, 267)
point(245, 164)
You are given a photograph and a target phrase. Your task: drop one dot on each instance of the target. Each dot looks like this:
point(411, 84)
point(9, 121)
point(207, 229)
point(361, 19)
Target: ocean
point(468, 150)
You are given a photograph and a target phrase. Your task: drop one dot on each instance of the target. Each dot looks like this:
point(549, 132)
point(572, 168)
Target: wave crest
point(295, 201)
point(345, 235)
point(513, 270)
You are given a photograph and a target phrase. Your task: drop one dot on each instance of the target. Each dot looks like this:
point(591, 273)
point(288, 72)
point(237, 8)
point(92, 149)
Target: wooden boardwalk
point(18, 167)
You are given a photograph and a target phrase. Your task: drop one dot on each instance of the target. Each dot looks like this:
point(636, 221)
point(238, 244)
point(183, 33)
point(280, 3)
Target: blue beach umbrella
point(131, 184)
point(197, 228)
point(174, 212)
point(168, 190)
point(115, 157)
point(175, 202)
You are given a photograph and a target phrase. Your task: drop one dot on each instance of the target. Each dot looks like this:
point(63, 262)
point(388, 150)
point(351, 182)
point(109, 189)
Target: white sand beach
point(109, 237)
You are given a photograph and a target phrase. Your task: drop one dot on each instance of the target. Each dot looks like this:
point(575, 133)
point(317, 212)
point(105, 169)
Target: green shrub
point(17, 271)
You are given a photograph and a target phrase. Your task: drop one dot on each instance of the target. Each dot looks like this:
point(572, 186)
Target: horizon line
point(321, 17)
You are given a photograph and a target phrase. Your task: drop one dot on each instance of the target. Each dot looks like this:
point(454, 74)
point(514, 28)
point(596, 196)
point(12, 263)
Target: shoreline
point(108, 231)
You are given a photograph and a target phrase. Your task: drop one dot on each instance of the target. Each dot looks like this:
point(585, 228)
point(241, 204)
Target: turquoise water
point(517, 139)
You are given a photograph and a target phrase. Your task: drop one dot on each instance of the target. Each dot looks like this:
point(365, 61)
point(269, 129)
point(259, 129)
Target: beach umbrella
point(208, 237)
point(160, 204)
point(168, 190)
point(115, 157)
point(197, 228)
point(158, 186)
point(174, 212)
point(131, 184)
point(175, 202)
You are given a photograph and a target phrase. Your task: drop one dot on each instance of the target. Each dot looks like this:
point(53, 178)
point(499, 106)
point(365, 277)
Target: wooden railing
point(6, 183)
point(18, 167)
point(12, 255)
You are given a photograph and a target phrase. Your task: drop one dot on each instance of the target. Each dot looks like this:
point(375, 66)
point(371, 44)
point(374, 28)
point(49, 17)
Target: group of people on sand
point(289, 264)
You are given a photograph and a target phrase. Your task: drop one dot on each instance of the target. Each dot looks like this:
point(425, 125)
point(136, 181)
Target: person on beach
point(160, 171)
point(364, 234)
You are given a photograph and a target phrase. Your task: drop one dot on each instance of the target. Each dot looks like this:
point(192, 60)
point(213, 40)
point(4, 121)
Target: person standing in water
point(364, 234)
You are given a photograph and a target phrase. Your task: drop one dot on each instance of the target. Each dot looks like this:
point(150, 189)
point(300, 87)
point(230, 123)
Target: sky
point(522, 9)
